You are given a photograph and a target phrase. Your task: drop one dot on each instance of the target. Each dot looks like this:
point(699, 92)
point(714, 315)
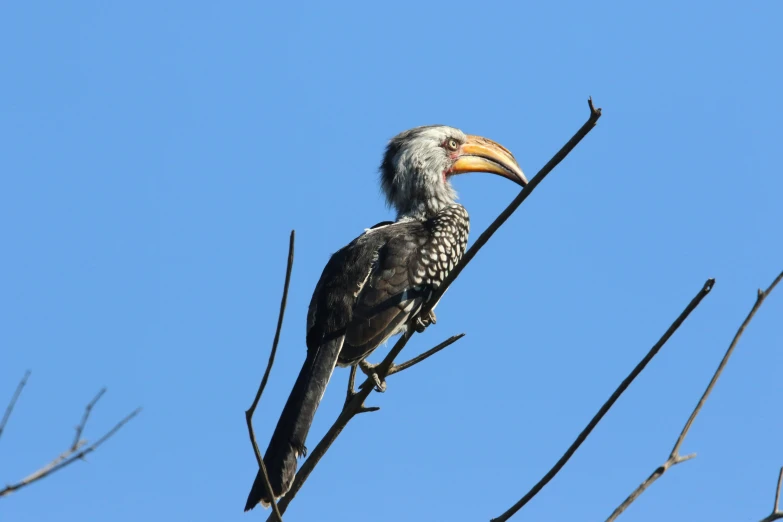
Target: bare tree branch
point(675, 457)
point(83, 423)
point(356, 404)
point(776, 514)
point(73, 453)
point(12, 403)
point(249, 413)
point(608, 404)
point(396, 368)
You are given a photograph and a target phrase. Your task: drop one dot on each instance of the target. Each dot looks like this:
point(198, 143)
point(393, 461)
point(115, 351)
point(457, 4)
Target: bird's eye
point(452, 144)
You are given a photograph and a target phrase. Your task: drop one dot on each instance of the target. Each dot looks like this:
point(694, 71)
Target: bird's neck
point(432, 200)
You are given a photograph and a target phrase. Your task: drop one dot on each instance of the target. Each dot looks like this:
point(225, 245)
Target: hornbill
point(375, 286)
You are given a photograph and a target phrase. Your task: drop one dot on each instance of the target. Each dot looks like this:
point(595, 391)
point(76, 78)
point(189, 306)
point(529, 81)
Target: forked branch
point(675, 457)
point(75, 452)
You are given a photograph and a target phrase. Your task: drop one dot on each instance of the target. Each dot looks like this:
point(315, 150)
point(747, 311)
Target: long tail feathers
point(288, 439)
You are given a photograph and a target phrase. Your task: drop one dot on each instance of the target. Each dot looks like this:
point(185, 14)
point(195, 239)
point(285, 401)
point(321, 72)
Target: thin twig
point(249, 413)
point(609, 403)
point(66, 458)
point(356, 405)
point(674, 456)
point(83, 423)
point(776, 514)
point(14, 398)
point(396, 368)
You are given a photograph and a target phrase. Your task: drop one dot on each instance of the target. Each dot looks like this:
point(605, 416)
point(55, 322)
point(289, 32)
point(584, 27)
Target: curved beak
point(479, 154)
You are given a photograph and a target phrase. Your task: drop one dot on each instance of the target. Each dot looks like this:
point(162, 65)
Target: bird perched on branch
point(375, 286)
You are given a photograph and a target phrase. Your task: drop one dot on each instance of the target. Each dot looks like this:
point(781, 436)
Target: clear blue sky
point(153, 159)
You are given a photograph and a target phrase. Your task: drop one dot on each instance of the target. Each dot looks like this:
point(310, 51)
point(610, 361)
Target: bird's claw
point(380, 386)
point(422, 323)
point(369, 370)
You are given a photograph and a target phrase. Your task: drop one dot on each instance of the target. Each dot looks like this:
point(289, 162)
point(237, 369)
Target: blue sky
point(154, 158)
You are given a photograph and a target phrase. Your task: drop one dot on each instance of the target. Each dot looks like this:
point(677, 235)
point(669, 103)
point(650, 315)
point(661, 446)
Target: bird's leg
point(351, 381)
point(351, 394)
point(369, 370)
point(423, 322)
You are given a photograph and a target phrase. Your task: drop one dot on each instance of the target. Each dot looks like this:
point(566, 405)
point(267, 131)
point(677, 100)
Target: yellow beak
point(479, 154)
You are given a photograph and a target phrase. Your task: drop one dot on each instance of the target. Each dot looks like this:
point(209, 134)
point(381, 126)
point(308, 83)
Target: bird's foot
point(422, 323)
point(369, 370)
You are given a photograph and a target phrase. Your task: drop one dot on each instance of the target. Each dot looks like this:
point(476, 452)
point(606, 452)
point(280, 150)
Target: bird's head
point(419, 163)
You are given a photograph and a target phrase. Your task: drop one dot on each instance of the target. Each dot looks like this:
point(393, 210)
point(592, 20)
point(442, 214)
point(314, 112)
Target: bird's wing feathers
point(390, 296)
point(368, 289)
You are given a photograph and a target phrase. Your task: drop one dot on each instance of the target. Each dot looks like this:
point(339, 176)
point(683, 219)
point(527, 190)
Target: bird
point(377, 285)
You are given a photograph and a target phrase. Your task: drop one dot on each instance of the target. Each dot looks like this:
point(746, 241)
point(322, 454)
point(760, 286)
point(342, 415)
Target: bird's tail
point(288, 439)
